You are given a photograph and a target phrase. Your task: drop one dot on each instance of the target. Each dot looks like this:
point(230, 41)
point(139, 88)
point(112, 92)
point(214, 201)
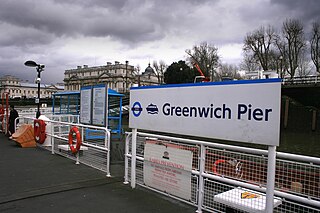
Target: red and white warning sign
point(168, 169)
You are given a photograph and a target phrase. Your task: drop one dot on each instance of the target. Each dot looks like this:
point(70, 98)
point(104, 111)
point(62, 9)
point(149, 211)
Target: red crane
point(202, 77)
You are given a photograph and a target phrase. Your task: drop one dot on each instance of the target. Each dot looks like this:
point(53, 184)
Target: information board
point(99, 105)
point(85, 104)
point(244, 111)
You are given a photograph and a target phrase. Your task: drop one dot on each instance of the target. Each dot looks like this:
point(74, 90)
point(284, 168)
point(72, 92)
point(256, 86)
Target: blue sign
point(136, 109)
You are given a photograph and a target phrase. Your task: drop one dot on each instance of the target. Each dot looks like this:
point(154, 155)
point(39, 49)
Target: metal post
point(201, 182)
point(127, 75)
point(38, 101)
point(133, 158)
point(77, 160)
point(126, 159)
point(52, 140)
point(7, 114)
point(108, 137)
point(286, 113)
point(270, 178)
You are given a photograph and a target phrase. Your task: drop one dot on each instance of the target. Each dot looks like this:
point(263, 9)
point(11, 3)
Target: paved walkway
point(34, 180)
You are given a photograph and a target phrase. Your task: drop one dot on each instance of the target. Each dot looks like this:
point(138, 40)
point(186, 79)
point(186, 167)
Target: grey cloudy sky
point(65, 33)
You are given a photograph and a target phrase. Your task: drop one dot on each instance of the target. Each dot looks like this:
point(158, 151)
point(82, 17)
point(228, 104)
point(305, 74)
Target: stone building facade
point(119, 77)
point(15, 88)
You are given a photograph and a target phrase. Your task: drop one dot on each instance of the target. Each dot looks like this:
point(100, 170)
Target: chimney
point(116, 62)
point(109, 63)
point(85, 66)
point(78, 67)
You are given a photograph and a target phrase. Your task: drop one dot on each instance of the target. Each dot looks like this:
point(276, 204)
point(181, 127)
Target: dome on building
point(149, 71)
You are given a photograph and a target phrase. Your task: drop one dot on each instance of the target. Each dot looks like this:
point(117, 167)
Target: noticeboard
point(99, 104)
point(93, 105)
point(85, 104)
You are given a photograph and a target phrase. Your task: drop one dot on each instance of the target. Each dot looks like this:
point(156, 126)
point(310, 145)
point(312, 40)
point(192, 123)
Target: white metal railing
point(95, 148)
point(297, 178)
point(301, 80)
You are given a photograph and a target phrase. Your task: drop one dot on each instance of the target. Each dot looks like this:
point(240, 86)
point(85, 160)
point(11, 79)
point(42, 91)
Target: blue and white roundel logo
point(136, 109)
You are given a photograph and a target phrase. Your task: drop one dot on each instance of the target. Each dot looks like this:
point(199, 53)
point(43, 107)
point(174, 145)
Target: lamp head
point(31, 64)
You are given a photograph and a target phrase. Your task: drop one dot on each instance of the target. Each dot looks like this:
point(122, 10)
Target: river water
point(303, 143)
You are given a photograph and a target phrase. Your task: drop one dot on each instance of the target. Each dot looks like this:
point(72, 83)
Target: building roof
point(33, 85)
point(149, 71)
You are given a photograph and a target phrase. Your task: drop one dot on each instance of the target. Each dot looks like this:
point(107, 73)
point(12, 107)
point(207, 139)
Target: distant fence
point(220, 172)
point(301, 80)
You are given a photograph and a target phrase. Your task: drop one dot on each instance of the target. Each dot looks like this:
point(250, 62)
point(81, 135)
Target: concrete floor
point(34, 180)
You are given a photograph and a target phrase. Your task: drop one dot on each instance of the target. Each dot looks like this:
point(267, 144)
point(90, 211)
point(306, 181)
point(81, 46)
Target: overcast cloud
point(65, 33)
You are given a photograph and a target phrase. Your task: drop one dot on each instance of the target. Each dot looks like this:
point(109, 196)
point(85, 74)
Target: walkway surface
point(34, 180)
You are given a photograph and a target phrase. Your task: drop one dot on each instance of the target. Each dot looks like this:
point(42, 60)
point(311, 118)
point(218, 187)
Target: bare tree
point(159, 69)
point(304, 65)
point(137, 69)
point(282, 60)
point(162, 68)
point(294, 40)
point(228, 71)
point(206, 56)
point(249, 63)
point(315, 45)
point(136, 72)
point(259, 43)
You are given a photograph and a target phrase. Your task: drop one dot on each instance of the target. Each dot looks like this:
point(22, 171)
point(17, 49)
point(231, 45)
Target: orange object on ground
point(40, 131)
point(74, 130)
point(24, 136)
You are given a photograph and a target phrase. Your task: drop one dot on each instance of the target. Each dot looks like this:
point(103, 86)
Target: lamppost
point(40, 68)
point(281, 59)
point(127, 75)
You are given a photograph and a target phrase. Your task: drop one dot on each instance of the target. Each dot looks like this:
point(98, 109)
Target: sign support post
point(270, 178)
point(201, 182)
point(133, 158)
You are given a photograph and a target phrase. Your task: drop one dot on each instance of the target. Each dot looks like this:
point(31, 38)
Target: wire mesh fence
point(234, 179)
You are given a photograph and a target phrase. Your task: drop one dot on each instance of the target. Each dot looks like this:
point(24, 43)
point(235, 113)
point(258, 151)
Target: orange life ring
point(74, 130)
point(214, 167)
point(39, 131)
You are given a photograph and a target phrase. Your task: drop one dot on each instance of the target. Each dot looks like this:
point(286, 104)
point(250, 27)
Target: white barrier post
point(270, 178)
point(77, 159)
point(201, 170)
point(107, 145)
point(126, 160)
point(133, 158)
point(52, 139)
